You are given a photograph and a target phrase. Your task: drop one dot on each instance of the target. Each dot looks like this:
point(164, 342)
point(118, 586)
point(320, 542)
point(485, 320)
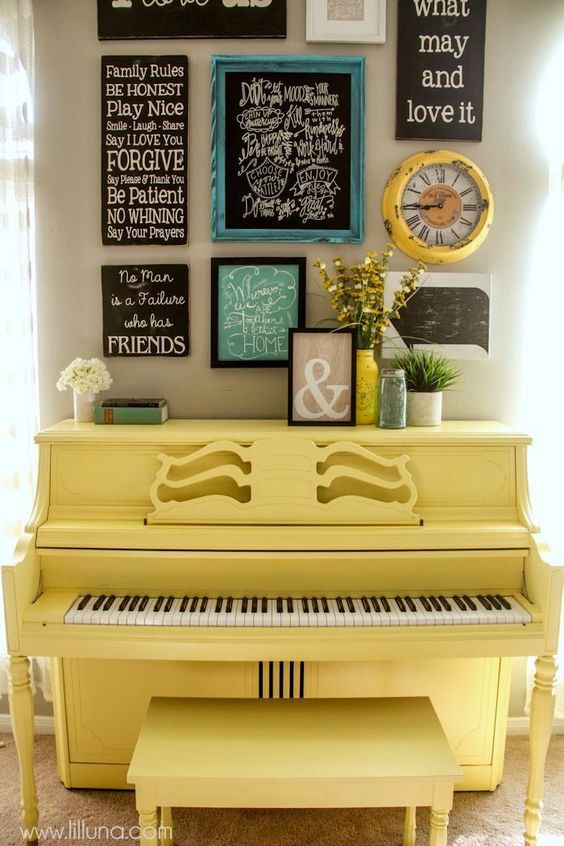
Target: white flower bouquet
point(85, 376)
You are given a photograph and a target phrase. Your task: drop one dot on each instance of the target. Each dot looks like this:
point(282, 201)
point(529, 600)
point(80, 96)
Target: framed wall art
point(189, 19)
point(255, 301)
point(288, 148)
point(321, 377)
point(357, 21)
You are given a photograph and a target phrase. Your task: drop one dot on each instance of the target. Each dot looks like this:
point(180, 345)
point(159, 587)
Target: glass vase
point(83, 407)
point(367, 372)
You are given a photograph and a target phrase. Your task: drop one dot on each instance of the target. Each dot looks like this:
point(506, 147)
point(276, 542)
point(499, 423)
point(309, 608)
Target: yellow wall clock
point(437, 207)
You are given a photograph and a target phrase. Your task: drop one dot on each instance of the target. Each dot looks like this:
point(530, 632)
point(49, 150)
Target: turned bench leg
point(21, 710)
point(409, 827)
point(148, 828)
point(166, 827)
point(438, 828)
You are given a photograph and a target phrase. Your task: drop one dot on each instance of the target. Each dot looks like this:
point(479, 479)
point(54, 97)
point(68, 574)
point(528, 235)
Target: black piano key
point(350, 604)
point(134, 603)
point(410, 604)
point(124, 602)
point(279, 605)
point(290, 605)
point(400, 604)
point(426, 604)
point(194, 604)
point(305, 604)
point(244, 604)
point(229, 606)
point(315, 604)
point(484, 602)
point(218, 604)
point(503, 601)
point(158, 603)
point(385, 604)
point(445, 603)
point(144, 603)
point(497, 605)
point(460, 603)
point(365, 604)
point(109, 602)
point(469, 602)
point(168, 604)
point(375, 604)
point(340, 605)
point(99, 602)
point(184, 603)
point(434, 602)
point(84, 602)
point(254, 605)
point(264, 605)
point(204, 604)
point(325, 604)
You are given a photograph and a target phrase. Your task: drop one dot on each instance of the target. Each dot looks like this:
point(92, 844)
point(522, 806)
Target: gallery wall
point(519, 37)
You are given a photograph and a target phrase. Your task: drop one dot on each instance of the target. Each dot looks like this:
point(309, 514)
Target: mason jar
point(392, 399)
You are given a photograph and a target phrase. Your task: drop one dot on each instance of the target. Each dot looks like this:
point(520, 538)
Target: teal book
point(136, 414)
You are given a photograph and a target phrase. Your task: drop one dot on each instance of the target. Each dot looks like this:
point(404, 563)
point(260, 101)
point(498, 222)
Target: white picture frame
point(352, 21)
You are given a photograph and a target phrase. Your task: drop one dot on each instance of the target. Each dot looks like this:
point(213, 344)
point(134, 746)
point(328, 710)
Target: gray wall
point(520, 36)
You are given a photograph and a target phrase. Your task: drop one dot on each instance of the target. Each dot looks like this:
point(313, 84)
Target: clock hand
point(425, 207)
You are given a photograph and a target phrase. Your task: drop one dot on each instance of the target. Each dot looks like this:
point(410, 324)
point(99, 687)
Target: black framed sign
point(255, 301)
point(440, 69)
point(144, 150)
point(191, 19)
point(288, 148)
point(321, 377)
point(145, 310)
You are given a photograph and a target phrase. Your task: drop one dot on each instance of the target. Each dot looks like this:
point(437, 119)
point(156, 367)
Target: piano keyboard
point(286, 611)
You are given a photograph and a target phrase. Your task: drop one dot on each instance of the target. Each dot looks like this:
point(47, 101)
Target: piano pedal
point(282, 680)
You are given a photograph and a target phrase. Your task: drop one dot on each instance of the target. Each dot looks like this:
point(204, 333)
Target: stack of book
point(130, 410)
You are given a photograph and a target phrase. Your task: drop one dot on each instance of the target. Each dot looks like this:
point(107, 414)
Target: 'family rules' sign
point(191, 19)
point(144, 150)
point(145, 310)
point(440, 69)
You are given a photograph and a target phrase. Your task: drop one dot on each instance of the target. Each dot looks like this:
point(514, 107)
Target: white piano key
point(86, 615)
point(73, 610)
point(105, 618)
point(521, 615)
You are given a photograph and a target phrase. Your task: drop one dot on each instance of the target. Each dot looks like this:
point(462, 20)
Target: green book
point(122, 414)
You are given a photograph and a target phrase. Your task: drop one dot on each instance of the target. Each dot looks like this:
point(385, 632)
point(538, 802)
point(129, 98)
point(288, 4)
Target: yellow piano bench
point(284, 753)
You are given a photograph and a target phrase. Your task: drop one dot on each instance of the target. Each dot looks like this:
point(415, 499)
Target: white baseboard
point(46, 725)
point(43, 725)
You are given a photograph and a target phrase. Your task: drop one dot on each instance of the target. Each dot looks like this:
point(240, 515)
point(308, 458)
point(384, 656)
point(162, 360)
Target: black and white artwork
point(450, 314)
point(144, 150)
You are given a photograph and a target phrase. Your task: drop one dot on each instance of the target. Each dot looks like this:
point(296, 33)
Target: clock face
point(437, 207)
point(441, 204)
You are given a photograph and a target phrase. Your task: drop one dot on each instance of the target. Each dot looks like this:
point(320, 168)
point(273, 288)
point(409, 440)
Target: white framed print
point(357, 21)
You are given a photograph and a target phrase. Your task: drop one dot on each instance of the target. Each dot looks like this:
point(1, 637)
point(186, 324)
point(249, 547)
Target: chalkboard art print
point(255, 301)
point(288, 148)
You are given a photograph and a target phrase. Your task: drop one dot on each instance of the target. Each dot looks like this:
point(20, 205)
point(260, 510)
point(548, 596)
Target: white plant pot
point(84, 407)
point(424, 409)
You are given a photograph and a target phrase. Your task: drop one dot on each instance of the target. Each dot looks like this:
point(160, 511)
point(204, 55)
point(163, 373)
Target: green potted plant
point(427, 375)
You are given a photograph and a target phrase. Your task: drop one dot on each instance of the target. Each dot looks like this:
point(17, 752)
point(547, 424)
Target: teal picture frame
point(287, 148)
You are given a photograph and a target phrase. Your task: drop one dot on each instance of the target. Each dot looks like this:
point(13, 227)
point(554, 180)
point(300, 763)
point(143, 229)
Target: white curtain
point(18, 406)
point(541, 404)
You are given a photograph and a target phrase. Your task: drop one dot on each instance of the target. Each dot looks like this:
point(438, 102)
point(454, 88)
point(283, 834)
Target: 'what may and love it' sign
point(440, 69)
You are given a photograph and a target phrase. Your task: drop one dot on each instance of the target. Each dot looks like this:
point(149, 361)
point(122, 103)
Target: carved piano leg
point(21, 709)
point(542, 713)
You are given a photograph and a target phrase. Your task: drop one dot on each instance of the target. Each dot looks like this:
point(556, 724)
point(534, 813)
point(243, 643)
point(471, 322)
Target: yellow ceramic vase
point(367, 374)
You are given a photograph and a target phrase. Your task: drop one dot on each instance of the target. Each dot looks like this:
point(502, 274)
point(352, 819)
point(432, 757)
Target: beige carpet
point(478, 819)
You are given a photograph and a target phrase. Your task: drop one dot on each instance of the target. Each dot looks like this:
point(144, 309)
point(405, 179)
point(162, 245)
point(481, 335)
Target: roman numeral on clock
point(425, 178)
point(413, 220)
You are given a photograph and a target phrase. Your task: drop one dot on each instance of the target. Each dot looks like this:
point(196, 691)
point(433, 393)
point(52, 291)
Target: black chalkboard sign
point(144, 150)
point(189, 19)
point(440, 69)
point(145, 310)
point(287, 148)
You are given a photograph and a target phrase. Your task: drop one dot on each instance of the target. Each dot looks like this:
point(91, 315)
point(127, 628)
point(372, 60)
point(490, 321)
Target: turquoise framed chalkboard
point(255, 301)
point(287, 148)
